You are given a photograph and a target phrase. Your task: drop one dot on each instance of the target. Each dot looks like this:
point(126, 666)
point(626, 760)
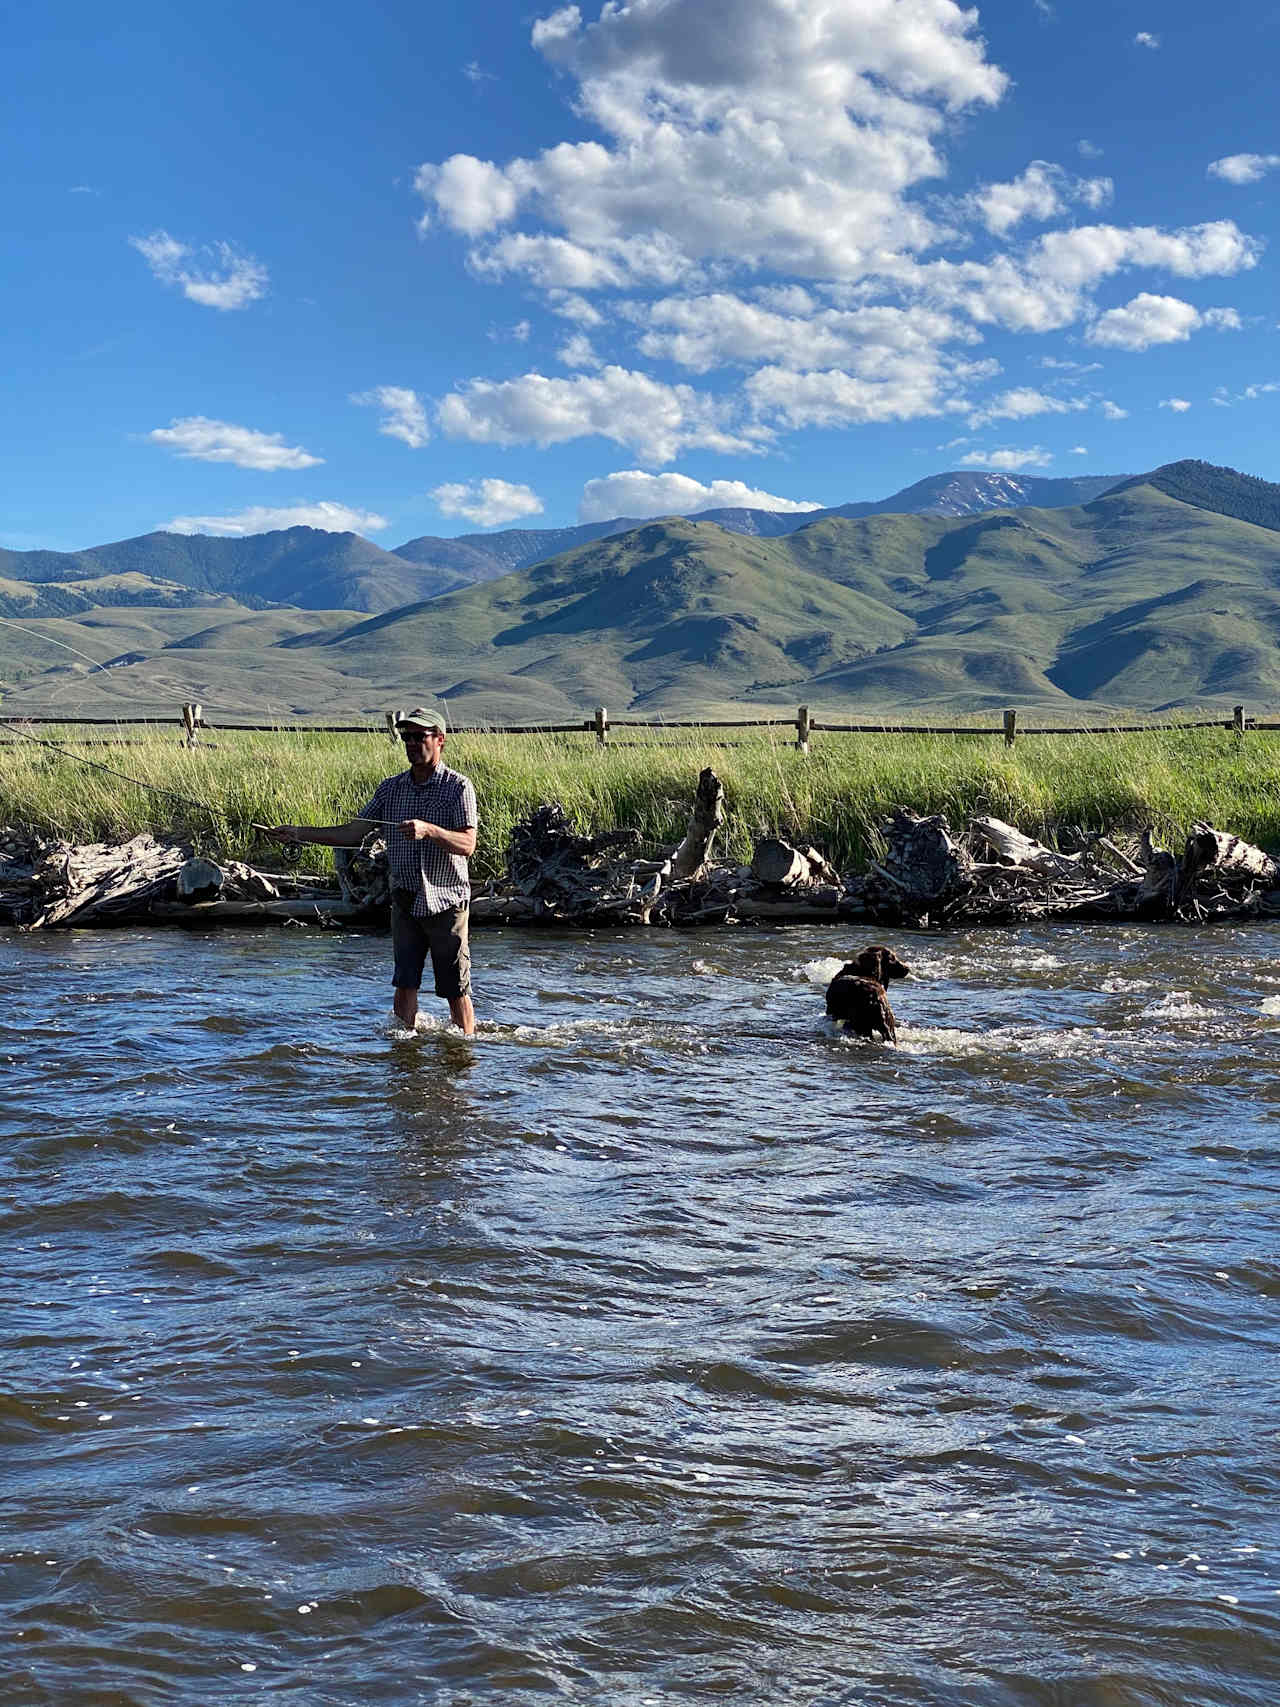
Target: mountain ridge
point(319, 570)
point(1139, 598)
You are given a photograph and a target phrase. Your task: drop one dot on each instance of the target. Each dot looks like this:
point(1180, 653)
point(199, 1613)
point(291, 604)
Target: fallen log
point(1230, 859)
point(77, 883)
point(1024, 851)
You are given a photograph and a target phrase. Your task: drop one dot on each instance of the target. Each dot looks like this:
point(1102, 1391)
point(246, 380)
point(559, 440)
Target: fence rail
point(191, 721)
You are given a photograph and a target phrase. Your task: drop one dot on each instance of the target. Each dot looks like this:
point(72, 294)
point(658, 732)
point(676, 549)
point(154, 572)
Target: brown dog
point(856, 995)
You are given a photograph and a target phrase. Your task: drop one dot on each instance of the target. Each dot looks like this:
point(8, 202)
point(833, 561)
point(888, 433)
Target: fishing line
point(291, 843)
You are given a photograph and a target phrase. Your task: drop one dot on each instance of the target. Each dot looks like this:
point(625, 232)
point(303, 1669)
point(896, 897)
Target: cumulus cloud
point(1147, 319)
point(1008, 461)
point(1144, 38)
point(833, 397)
point(405, 417)
point(203, 440)
point(1179, 405)
point(263, 518)
point(578, 351)
point(631, 492)
point(1078, 450)
point(488, 503)
point(1243, 168)
point(1043, 191)
point(749, 196)
point(721, 329)
point(801, 124)
point(1112, 411)
point(215, 275)
point(657, 421)
point(1021, 403)
point(1049, 285)
point(1228, 399)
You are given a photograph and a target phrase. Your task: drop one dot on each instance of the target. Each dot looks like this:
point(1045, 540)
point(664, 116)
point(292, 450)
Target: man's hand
point(283, 832)
point(417, 829)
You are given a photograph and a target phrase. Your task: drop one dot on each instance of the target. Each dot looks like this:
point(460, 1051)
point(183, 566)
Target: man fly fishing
point(430, 816)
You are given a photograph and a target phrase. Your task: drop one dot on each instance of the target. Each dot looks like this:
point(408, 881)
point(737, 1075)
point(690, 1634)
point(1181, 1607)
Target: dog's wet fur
point(856, 995)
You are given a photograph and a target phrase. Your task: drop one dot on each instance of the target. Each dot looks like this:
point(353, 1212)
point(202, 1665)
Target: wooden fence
point(191, 722)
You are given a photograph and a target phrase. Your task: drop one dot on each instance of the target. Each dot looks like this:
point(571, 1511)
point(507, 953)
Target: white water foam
point(1176, 1004)
point(818, 971)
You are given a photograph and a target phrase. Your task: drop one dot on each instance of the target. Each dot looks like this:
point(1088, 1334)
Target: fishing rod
point(293, 844)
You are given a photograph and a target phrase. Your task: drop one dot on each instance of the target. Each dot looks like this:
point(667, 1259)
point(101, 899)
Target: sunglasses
point(418, 737)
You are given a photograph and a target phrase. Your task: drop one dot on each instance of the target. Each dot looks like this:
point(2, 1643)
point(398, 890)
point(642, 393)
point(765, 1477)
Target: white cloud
point(657, 421)
point(1078, 450)
point(1050, 284)
point(405, 418)
point(783, 137)
point(1112, 411)
point(1021, 403)
point(1227, 400)
point(721, 329)
point(197, 437)
point(835, 398)
point(263, 518)
point(578, 351)
point(226, 280)
point(1008, 461)
point(1144, 38)
point(487, 503)
point(631, 492)
point(1243, 168)
point(1146, 320)
point(1088, 150)
point(1041, 192)
point(741, 188)
point(1179, 405)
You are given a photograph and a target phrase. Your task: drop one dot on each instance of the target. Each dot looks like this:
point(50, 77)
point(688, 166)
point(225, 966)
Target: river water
point(660, 1346)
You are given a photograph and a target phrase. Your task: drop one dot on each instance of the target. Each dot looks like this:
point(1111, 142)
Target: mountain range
point(1155, 592)
point(317, 570)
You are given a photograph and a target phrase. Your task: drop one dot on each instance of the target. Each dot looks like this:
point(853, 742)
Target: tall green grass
point(835, 797)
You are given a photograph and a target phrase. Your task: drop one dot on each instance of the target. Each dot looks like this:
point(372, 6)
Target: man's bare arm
point(456, 841)
point(349, 835)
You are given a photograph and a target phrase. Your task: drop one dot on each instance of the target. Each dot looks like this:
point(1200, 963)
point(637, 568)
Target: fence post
point(393, 717)
point(802, 729)
point(602, 727)
point(1010, 728)
point(1237, 721)
point(192, 720)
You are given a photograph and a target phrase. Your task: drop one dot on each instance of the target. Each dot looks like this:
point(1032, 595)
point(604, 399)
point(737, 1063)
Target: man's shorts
point(444, 936)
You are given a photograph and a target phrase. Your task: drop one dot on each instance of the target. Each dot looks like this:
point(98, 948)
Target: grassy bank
point(834, 797)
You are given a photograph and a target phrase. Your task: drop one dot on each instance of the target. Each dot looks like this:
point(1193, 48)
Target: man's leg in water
point(462, 1014)
point(405, 1003)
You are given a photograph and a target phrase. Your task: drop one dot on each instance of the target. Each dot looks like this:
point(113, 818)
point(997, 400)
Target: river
point(660, 1346)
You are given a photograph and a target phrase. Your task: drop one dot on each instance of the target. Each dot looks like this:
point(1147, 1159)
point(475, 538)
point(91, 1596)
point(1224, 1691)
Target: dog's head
point(880, 963)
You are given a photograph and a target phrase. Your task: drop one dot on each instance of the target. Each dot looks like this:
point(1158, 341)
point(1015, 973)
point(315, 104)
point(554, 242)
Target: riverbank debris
point(924, 875)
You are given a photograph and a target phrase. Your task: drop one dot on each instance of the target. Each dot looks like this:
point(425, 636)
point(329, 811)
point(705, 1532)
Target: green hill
point(1224, 490)
point(1138, 598)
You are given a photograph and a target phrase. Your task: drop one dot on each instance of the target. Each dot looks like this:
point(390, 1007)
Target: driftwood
point(924, 876)
point(690, 858)
point(98, 881)
point(780, 865)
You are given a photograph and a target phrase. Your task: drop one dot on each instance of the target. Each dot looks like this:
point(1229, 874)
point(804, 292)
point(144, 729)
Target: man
point(429, 818)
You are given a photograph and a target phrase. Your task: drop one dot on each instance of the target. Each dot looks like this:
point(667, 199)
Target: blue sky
point(416, 270)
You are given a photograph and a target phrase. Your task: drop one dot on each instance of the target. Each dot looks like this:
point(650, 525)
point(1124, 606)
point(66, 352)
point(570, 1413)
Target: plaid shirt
point(438, 878)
